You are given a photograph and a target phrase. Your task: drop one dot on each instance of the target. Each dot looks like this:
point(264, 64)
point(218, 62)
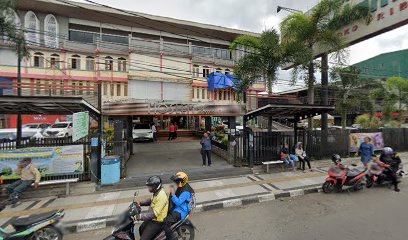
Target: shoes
point(397, 189)
point(204, 165)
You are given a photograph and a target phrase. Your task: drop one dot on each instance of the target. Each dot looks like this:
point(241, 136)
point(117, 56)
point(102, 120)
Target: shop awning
point(301, 111)
point(45, 105)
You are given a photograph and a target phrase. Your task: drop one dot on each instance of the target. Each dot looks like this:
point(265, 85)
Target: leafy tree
point(348, 90)
point(391, 96)
point(304, 33)
point(262, 57)
point(367, 121)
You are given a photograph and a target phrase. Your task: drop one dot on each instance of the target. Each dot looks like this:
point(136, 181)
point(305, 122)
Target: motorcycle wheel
point(369, 182)
point(328, 187)
point(186, 232)
point(358, 187)
point(49, 233)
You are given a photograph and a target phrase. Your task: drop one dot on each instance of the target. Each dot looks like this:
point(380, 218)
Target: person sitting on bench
point(288, 158)
point(29, 175)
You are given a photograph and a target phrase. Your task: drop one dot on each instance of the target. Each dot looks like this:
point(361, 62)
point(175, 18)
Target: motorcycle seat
point(28, 221)
point(353, 172)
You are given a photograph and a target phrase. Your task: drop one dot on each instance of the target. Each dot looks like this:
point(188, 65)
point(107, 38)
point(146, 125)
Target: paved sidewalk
point(98, 210)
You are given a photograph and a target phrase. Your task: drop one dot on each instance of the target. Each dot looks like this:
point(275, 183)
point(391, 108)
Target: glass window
point(38, 86)
point(38, 60)
point(55, 61)
point(90, 63)
point(54, 87)
point(203, 93)
point(112, 90)
point(198, 93)
point(79, 36)
point(118, 90)
point(73, 88)
point(206, 71)
point(105, 89)
point(125, 89)
point(51, 29)
point(122, 64)
point(115, 39)
point(32, 26)
point(76, 62)
point(196, 71)
point(220, 95)
point(61, 87)
point(108, 63)
point(218, 70)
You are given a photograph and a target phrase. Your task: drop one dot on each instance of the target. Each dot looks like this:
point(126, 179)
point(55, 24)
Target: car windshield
point(60, 125)
point(142, 126)
point(31, 126)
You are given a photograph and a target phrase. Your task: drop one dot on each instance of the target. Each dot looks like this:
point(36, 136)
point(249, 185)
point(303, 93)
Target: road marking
point(9, 214)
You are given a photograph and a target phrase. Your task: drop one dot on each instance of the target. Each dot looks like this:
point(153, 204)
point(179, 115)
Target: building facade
point(386, 65)
point(134, 57)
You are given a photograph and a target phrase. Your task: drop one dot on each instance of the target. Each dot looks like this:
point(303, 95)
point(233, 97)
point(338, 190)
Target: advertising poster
point(48, 160)
point(357, 138)
point(80, 125)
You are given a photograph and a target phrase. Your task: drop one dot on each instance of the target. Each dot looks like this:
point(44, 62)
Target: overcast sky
point(254, 15)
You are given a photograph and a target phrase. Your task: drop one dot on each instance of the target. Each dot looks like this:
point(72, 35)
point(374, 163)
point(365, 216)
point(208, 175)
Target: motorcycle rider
point(180, 203)
point(392, 160)
point(154, 217)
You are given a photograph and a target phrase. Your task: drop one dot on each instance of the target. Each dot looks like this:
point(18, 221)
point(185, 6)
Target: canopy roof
point(45, 105)
point(301, 111)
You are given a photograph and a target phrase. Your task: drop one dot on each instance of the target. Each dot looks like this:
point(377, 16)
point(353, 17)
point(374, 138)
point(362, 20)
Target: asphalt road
point(371, 214)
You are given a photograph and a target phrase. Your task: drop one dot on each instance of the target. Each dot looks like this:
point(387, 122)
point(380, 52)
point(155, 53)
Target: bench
point(271, 163)
point(61, 181)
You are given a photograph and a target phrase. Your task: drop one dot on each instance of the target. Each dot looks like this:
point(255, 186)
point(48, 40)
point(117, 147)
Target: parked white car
point(142, 131)
point(59, 130)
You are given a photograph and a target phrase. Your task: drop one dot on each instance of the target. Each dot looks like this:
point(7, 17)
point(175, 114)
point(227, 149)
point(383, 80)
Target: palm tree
point(349, 91)
point(262, 57)
point(304, 33)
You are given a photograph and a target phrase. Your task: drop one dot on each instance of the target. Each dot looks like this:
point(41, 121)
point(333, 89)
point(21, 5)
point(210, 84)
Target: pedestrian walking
point(154, 130)
point(29, 175)
point(303, 158)
point(175, 130)
point(366, 151)
point(206, 149)
point(171, 131)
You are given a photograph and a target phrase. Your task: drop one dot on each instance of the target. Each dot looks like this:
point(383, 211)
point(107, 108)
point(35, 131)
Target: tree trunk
point(310, 90)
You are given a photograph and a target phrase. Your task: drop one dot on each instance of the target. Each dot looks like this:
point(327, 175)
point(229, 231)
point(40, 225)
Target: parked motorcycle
point(124, 228)
point(376, 174)
point(35, 227)
point(340, 176)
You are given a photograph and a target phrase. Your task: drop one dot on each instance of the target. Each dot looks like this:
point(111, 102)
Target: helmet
point(388, 151)
point(180, 178)
point(155, 183)
point(336, 158)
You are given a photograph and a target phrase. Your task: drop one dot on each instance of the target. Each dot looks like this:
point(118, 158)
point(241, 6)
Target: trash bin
point(110, 170)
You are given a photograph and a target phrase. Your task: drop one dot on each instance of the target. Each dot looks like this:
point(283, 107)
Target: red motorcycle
point(340, 175)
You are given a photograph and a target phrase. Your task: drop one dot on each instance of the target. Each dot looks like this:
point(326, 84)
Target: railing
point(266, 146)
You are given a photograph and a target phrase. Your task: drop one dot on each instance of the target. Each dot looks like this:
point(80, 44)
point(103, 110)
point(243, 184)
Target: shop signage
point(172, 108)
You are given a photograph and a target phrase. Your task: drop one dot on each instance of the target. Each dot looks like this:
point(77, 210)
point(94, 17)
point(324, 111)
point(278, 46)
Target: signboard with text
point(48, 160)
point(80, 125)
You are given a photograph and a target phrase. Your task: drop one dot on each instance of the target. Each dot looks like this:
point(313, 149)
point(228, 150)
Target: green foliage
point(348, 88)
point(301, 33)
point(393, 123)
point(263, 56)
point(366, 121)
point(8, 27)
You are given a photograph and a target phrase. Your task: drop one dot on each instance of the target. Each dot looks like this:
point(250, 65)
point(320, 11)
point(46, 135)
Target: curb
point(83, 226)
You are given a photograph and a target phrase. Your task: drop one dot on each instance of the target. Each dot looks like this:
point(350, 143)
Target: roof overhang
point(45, 105)
point(300, 111)
point(128, 18)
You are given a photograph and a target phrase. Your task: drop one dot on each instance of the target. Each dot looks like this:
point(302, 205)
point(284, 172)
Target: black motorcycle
point(124, 228)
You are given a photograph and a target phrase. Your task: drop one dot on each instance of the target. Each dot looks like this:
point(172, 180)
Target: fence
point(258, 147)
point(54, 142)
